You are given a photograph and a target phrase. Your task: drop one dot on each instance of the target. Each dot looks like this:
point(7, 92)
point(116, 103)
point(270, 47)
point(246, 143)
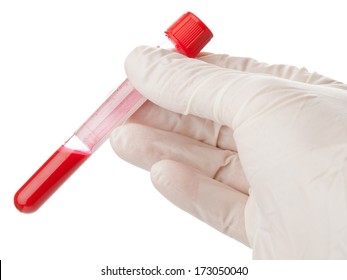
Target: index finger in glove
point(226, 96)
point(288, 72)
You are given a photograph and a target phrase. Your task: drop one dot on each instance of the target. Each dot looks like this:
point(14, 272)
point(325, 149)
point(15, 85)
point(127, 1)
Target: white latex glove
point(257, 151)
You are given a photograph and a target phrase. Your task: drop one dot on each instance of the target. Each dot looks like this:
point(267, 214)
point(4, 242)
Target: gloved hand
point(257, 151)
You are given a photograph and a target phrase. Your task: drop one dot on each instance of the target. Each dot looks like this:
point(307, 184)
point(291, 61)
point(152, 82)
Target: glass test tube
point(189, 35)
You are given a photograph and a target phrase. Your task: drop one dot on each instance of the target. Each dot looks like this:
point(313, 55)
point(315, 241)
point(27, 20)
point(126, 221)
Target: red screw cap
point(189, 34)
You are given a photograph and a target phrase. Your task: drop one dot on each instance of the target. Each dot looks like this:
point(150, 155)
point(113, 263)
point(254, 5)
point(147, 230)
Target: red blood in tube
point(189, 35)
point(48, 178)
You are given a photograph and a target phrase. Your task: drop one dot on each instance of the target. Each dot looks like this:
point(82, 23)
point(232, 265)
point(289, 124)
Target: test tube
point(189, 35)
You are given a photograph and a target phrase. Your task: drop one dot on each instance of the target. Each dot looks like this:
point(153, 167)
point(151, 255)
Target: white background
point(58, 62)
